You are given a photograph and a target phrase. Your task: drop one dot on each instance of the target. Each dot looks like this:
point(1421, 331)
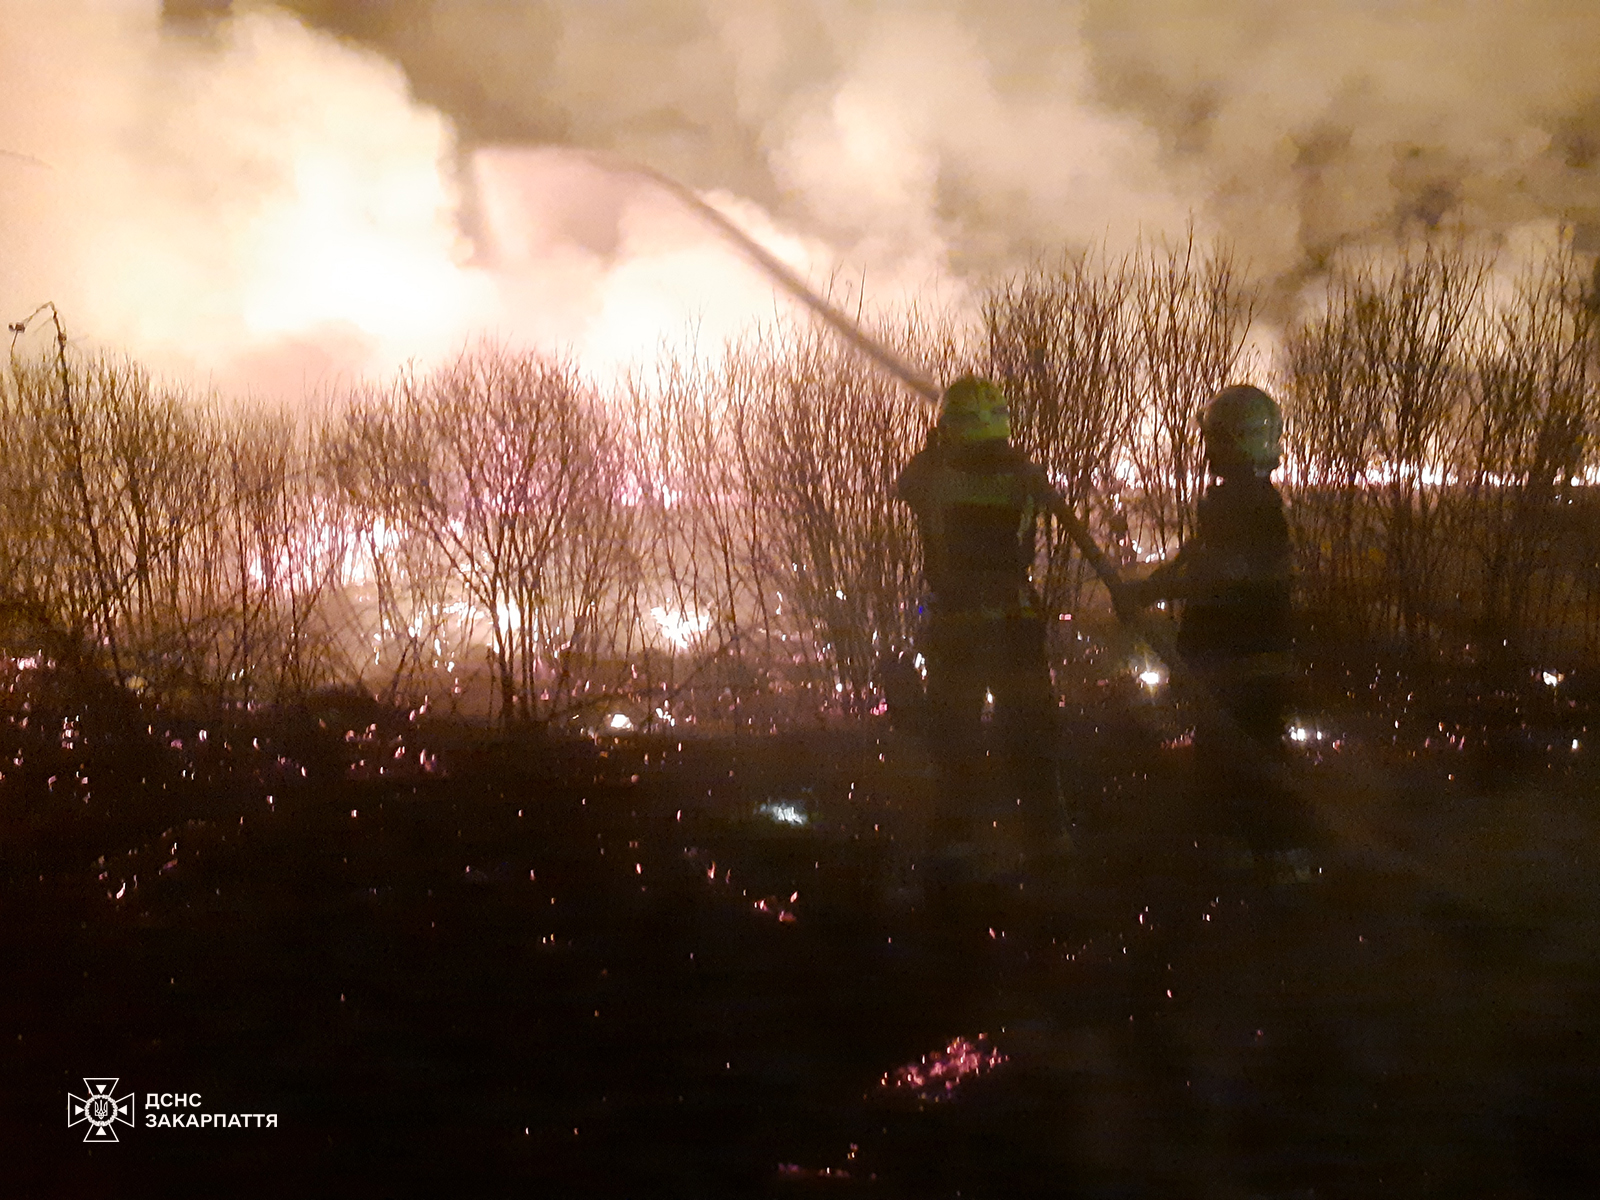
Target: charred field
point(451, 962)
point(462, 625)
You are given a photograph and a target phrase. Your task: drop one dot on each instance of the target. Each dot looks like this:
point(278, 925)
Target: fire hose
point(920, 385)
point(1209, 715)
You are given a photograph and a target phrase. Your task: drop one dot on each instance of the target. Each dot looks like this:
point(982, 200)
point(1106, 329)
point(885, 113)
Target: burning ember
point(785, 812)
point(937, 1076)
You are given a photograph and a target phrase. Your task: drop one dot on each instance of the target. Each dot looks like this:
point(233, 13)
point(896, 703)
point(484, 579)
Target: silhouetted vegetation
point(719, 541)
point(1441, 436)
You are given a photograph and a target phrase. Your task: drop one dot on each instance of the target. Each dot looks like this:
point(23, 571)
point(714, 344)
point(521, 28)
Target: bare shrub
point(1376, 389)
point(1331, 412)
point(285, 547)
point(722, 539)
point(684, 481)
point(1061, 346)
point(399, 632)
point(1412, 331)
point(766, 481)
point(1527, 439)
point(832, 435)
point(65, 491)
point(180, 546)
point(1191, 314)
point(505, 464)
point(38, 573)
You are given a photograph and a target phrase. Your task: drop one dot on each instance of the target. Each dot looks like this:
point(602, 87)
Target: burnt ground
point(619, 967)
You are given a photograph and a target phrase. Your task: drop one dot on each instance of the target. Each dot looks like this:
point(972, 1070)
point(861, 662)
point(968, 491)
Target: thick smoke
point(281, 191)
point(991, 128)
point(253, 200)
point(929, 136)
point(1304, 127)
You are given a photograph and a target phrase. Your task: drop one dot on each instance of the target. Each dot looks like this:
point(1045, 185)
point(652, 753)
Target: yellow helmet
point(1242, 425)
point(974, 410)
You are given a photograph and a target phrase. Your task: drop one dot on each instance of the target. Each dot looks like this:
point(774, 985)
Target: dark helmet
point(974, 410)
point(1243, 426)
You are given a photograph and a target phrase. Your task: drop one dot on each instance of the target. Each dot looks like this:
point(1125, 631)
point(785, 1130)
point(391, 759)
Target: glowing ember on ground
point(796, 1171)
point(937, 1076)
point(785, 812)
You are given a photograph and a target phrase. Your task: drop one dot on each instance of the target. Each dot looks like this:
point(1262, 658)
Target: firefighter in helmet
point(978, 501)
point(1233, 579)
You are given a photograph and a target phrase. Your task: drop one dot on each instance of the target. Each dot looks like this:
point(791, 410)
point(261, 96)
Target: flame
point(680, 628)
point(937, 1076)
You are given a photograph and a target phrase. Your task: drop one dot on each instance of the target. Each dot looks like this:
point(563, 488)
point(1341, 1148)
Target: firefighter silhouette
point(978, 503)
point(1234, 635)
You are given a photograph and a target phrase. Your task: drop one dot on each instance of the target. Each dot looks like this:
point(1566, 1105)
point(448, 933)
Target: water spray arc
point(923, 387)
point(780, 273)
point(1208, 713)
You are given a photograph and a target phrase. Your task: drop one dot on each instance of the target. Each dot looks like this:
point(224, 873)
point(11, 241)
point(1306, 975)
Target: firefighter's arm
point(1056, 505)
point(1170, 581)
point(911, 485)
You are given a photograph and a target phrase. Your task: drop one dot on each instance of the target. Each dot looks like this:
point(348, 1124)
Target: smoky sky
point(280, 192)
point(1292, 128)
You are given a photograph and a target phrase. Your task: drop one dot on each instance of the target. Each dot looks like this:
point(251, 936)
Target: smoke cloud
point(280, 193)
point(253, 200)
point(963, 135)
point(1303, 128)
